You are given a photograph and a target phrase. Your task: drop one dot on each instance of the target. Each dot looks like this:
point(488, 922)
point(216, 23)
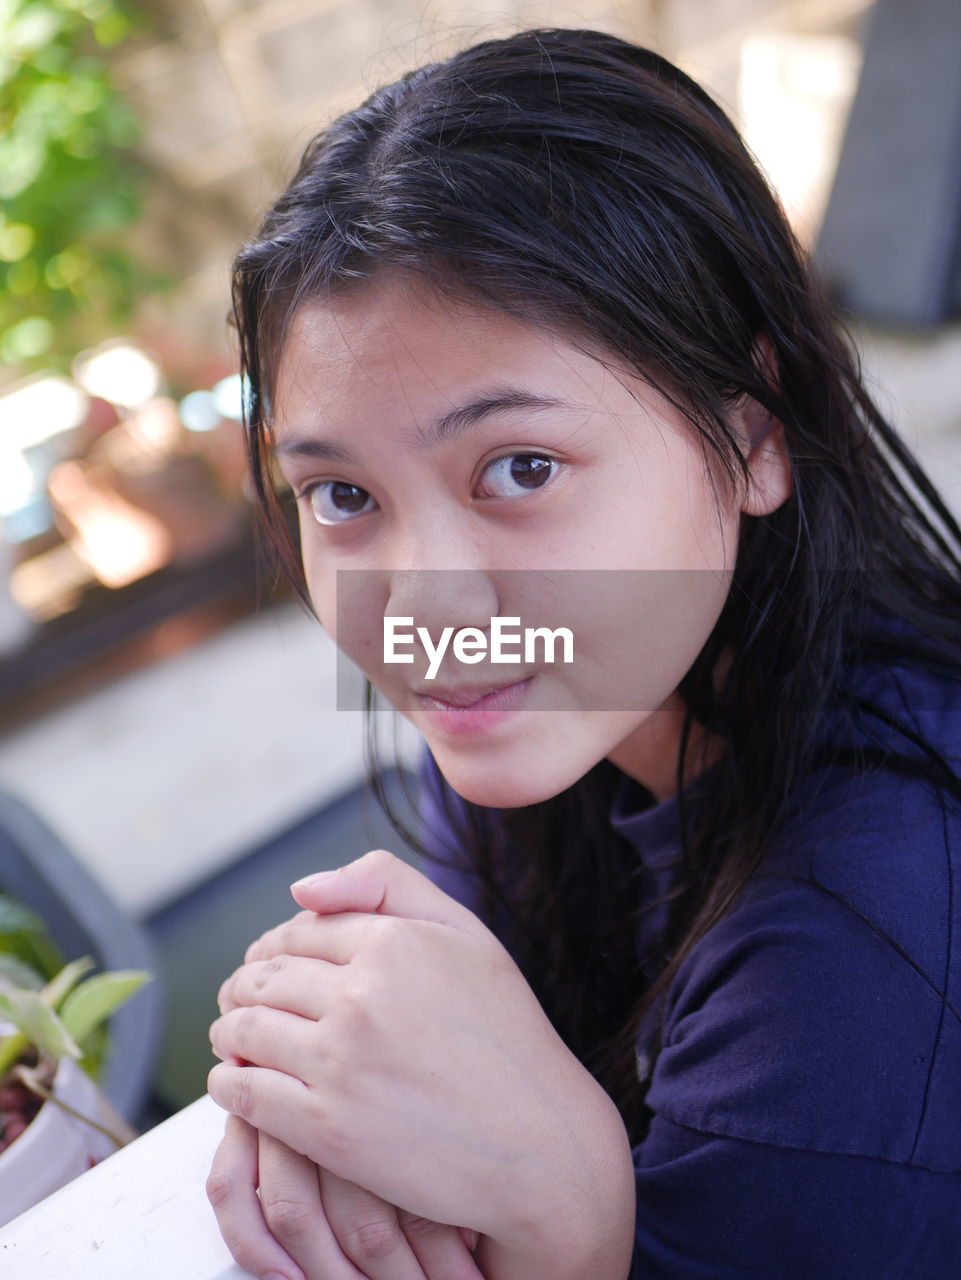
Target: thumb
point(380, 882)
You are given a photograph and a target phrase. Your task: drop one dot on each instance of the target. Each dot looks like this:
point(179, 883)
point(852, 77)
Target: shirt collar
point(653, 827)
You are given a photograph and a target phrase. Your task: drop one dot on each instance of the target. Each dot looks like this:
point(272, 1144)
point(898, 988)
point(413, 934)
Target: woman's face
point(463, 465)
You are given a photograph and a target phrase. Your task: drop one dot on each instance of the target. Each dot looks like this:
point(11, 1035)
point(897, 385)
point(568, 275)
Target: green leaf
point(23, 935)
point(67, 138)
point(96, 999)
point(15, 917)
point(59, 987)
point(15, 973)
point(39, 1023)
point(94, 1048)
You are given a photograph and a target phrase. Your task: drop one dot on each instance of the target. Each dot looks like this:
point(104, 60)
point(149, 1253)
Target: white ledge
point(143, 1212)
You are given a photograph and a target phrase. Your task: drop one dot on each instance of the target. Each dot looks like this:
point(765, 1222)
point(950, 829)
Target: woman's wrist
point(577, 1219)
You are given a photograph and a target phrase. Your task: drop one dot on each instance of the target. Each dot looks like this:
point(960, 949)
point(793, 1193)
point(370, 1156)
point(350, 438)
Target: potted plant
point(54, 1121)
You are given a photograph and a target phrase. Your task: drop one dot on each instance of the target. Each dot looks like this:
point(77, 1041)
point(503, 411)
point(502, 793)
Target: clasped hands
point(402, 1102)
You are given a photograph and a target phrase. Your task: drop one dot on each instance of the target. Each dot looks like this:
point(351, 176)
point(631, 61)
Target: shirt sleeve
point(822, 1012)
point(716, 1208)
point(807, 1099)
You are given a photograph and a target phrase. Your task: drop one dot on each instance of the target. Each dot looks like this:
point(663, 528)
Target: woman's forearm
point(577, 1224)
point(603, 1260)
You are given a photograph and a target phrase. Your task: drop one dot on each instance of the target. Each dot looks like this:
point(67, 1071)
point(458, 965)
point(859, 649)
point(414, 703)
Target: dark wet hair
point(577, 181)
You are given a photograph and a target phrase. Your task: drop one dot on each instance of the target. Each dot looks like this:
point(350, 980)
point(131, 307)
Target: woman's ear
point(770, 481)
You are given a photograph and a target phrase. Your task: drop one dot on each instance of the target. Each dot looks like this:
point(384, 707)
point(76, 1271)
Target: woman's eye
point(335, 501)
point(518, 473)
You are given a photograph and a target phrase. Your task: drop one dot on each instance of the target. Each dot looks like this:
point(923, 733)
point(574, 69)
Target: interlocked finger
point(368, 1231)
point(439, 1249)
point(266, 1037)
point(293, 1210)
point(294, 984)
point(232, 1191)
point(332, 938)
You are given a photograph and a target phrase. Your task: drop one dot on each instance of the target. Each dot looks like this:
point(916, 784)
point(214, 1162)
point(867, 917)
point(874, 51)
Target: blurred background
point(164, 706)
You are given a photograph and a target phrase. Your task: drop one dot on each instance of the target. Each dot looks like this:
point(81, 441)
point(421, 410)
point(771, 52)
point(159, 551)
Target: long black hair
point(580, 182)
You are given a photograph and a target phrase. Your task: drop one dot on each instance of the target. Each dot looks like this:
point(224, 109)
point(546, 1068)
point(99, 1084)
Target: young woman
point(679, 994)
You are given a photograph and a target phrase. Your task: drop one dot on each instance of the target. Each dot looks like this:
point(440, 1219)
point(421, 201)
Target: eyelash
point(308, 492)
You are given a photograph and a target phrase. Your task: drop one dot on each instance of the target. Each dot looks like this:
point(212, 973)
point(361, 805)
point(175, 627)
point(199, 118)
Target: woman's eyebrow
point(448, 426)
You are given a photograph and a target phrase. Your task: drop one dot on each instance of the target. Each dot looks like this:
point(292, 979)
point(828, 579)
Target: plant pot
point(56, 1146)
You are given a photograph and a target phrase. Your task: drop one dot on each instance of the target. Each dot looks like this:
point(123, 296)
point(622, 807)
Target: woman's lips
point(475, 710)
point(463, 695)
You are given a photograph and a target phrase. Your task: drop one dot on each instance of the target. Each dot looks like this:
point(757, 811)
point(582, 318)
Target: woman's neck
point(650, 753)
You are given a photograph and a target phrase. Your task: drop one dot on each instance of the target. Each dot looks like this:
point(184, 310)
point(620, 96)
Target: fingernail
point(316, 878)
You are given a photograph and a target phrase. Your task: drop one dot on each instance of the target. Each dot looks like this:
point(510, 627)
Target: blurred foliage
point(24, 938)
point(69, 181)
point(51, 1004)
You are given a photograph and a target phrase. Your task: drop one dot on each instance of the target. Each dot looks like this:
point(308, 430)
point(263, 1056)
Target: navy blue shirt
point(807, 1098)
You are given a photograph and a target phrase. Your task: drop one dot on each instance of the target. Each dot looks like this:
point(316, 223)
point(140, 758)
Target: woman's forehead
point(385, 319)
point(380, 345)
point(397, 335)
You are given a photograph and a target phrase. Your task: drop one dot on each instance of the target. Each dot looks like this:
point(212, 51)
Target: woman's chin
point(505, 788)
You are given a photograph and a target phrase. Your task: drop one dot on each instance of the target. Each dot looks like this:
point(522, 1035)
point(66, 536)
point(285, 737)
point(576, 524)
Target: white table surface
point(142, 1214)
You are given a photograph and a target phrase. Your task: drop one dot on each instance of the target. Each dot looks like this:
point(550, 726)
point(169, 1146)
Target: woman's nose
point(439, 598)
point(440, 573)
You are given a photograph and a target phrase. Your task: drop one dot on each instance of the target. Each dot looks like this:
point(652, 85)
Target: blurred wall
point(230, 91)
